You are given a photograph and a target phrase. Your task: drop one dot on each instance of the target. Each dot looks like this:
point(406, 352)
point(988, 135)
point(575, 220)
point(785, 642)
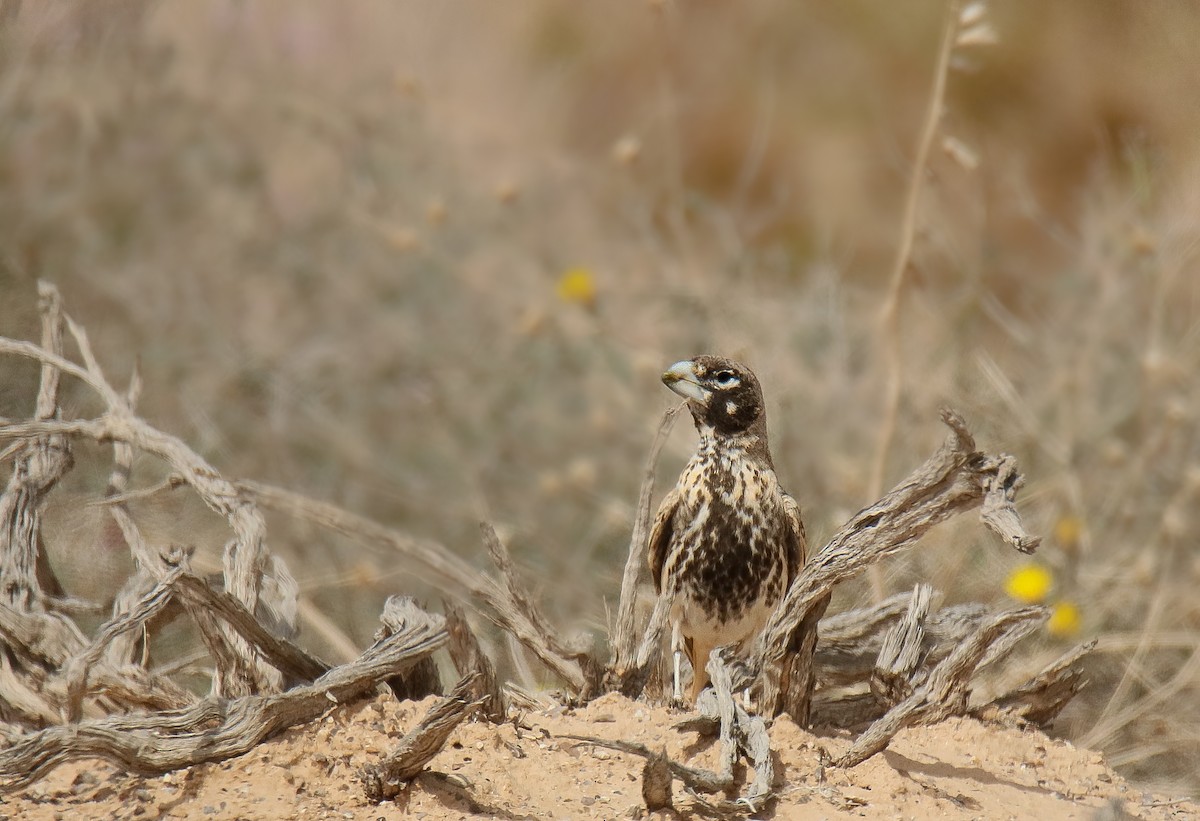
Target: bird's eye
point(725, 377)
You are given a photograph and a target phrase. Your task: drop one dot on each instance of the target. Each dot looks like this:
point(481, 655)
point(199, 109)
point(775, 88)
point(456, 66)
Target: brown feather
point(660, 537)
point(798, 554)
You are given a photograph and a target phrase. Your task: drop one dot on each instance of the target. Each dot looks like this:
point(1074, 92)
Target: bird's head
point(722, 394)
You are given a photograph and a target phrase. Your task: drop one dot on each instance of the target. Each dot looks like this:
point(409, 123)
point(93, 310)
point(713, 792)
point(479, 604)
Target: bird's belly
point(729, 561)
point(699, 620)
point(726, 592)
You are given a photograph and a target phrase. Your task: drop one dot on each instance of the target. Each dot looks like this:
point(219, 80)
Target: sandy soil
point(960, 769)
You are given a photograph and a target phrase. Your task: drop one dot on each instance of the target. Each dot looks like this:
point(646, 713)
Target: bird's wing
point(798, 550)
point(660, 536)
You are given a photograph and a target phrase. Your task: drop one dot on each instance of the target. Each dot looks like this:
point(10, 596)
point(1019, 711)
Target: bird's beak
point(681, 378)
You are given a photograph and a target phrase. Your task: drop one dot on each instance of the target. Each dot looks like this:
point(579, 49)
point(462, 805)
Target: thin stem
point(890, 315)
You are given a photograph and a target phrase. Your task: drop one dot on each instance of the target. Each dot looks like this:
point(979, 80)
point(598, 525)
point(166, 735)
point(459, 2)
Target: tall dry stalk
point(889, 316)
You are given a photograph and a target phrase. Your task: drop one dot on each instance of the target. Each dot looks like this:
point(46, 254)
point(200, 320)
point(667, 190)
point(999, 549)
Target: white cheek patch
point(730, 408)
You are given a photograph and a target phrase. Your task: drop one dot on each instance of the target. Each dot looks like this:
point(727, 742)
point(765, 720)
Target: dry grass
point(333, 238)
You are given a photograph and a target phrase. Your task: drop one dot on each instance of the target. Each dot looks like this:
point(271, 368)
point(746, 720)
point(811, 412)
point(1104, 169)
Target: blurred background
point(427, 261)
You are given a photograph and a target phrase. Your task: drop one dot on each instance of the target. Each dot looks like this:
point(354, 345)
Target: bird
point(728, 539)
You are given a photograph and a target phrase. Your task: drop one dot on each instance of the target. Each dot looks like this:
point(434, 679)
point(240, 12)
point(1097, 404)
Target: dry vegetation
point(335, 240)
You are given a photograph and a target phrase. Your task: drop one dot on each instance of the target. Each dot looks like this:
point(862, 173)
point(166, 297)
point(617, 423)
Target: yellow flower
point(1029, 583)
point(1064, 621)
point(1067, 532)
point(577, 285)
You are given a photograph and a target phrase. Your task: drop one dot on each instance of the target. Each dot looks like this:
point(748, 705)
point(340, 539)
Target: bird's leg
point(677, 647)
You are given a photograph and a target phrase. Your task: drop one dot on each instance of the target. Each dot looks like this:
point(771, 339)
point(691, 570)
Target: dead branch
point(797, 677)
point(435, 564)
point(903, 650)
point(288, 658)
point(1040, 700)
point(741, 734)
point(955, 479)
point(207, 605)
point(25, 575)
point(852, 651)
point(245, 557)
point(35, 644)
point(716, 713)
point(848, 643)
point(204, 604)
point(944, 692)
point(632, 680)
point(470, 660)
point(722, 689)
point(694, 778)
point(75, 671)
point(246, 560)
point(215, 728)
point(153, 567)
point(422, 679)
point(522, 618)
point(625, 636)
point(385, 780)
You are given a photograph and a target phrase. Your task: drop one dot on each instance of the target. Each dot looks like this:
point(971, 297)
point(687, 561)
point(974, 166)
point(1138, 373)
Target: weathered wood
point(470, 660)
point(848, 643)
point(797, 673)
point(435, 564)
point(741, 734)
point(852, 645)
point(215, 728)
point(694, 778)
point(625, 634)
point(955, 479)
point(25, 575)
point(206, 606)
point(722, 689)
point(76, 669)
point(1040, 700)
point(944, 692)
point(524, 620)
point(422, 679)
point(275, 651)
point(41, 644)
point(245, 563)
point(385, 780)
point(632, 680)
point(902, 652)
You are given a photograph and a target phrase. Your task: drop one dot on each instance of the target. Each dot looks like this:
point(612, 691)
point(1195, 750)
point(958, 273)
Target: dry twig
point(625, 635)
point(434, 563)
point(215, 728)
point(470, 660)
point(944, 692)
point(1040, 700)
point(903, 650)
point(422, 679)
point(953, 480)
point(385, 780)
point(246, 556)
point(741, 734)
point(889, 337)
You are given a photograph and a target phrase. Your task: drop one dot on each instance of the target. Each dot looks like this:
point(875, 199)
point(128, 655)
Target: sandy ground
point(960, 769)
